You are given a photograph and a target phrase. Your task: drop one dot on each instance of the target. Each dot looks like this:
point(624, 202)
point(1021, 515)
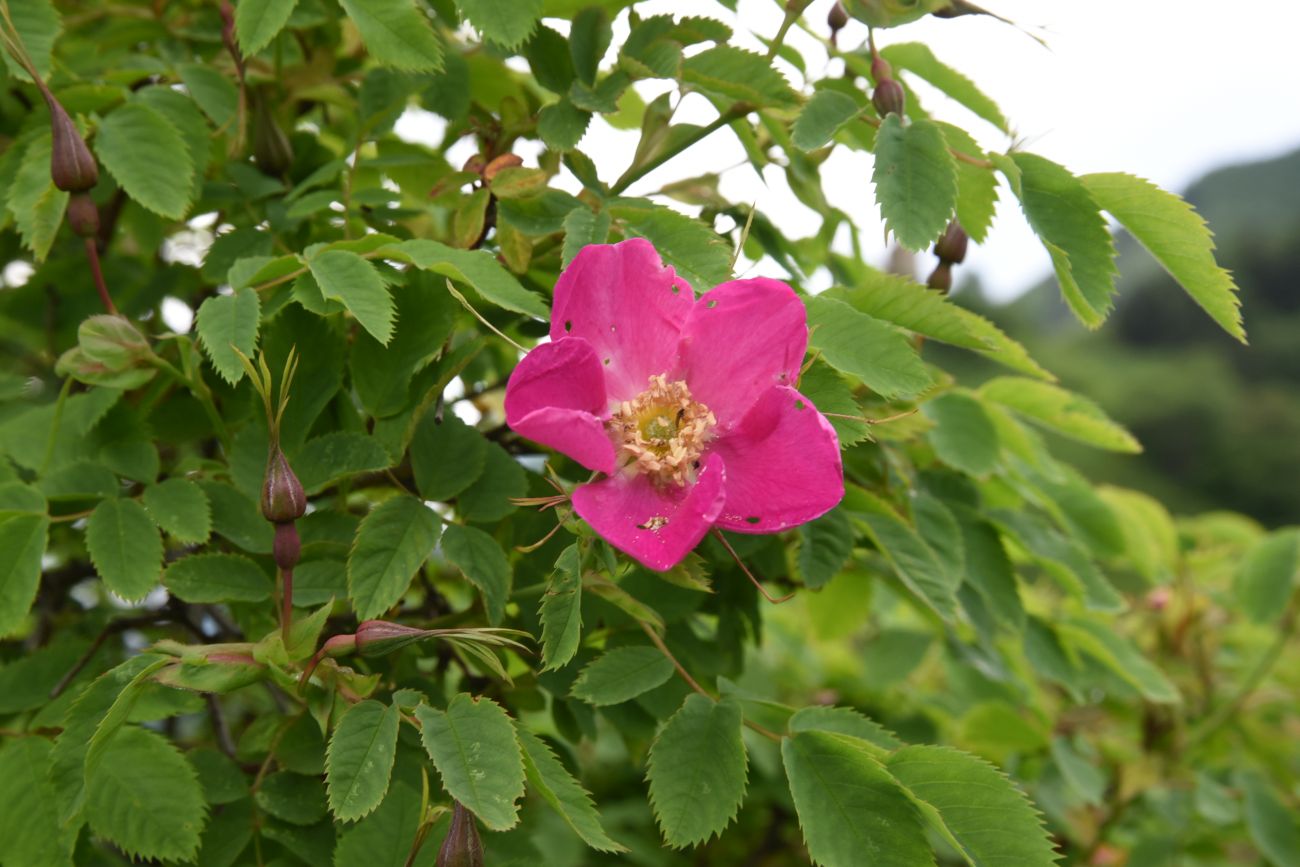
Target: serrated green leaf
point(226, 323)
point(1273, 827)
point(963, 436)
point(849, 806)
point(977, 185)
point(728, 72)
point(256, 24)
point(1268, 576)
point(692, 248)
point(1118, 654)
point(237, 517)
point(910, 305)
point(916, 57)
point(344, 276)
point(913, 560)
point(475, 268)
point(217, 577)
point(360, 759)
point(325, 459)
point(916, 180)
point(865, 348)
point(989, 572)
point(489, 498)
point(583, 226)
point(550, 779)
point(845, 721)
point(507, 22)
point(824, 547)
point(383, 839)
point(1002, 349)
point(1177, 237)
point(1066, 217)
point(1063, 558)
point(37, 24)
point(397, 33)
point(144, 797)
point(1150, 537)
point(833, 396)
point(125, 547)
point(975, 806)
point(480, 559)
point(29, 824)
point(214, 92)
point(622, 674)
point(392, 543)
point(1065, 412)
point(447, 456)
point(1084, 778)
point(180, 507)
point(821, 118)
point(472, 744)
point(36, 204)
point(148, 156)
point(697, 770)
point(22, 544)
point(562, 124)
point(561, 610)
point(292, 798)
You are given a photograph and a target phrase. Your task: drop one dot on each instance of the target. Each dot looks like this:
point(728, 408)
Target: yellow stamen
point(662, 432)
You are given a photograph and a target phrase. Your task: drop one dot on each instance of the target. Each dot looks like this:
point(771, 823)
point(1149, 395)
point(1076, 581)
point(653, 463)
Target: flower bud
point(951, 246)
point(83, 216)
point(271, 148)
point(283, 499)
point(378, 637)
point(462, 848)
point(71, 166)
point(889, 97)
point(112, 341)
point(941, 277)
point(505, 161)
point(287, 546)
point(339, 645)
point(880, 69)
point(837, 18)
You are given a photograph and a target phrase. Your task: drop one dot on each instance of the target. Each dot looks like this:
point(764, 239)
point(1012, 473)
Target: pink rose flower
point(688, 407)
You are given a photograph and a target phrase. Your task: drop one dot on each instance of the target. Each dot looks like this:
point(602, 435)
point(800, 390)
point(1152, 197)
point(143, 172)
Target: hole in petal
point(568, 325)
point(607, 361)
point(753, 519)
point(798, 404)
point(676, 289)
point(711, 305)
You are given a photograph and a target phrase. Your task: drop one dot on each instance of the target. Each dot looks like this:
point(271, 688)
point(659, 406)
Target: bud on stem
point(951, 246)
point(72, 167)
point(462, 847)
point(889, 98)
point(283, 499)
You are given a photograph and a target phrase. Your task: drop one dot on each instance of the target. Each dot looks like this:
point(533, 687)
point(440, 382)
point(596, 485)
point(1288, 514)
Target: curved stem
point(92, 254)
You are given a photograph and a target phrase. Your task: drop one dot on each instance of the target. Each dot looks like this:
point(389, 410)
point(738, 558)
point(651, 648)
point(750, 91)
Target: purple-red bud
point(287, 546)
point(283, 499)
point(837, 18)
point(339, 645)
point(951, 246)
point(941, 277)
point(889, 98)
point(880, 69)
point(462, 847)
point(83, 215)
point(378, 637)
point(71, 166)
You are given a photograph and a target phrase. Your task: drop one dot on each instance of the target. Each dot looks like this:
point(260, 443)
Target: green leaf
point(849, 805)
point(125, 547)
point(963, 436)
point(1066, 217)
point(226, 323)
point(866, 348)
point(910, 305)
point(256, 24)
point(824, 547)
point(446, 456)
point(1063, 558)
point(989, 572)
point(397, 33)
point(913, 560)
point(392, 543)
point(22, 544)
point(325, 459)
point(917, 58)
point(473, 746)
point(29, 824)
point(697, 253)
point(916, 180)
point(1083, 777)
point(622, 674)
point(383, 839)
point(344, 276)
point(1062, 411)
point(1269, 575)
point(562, 124)
point(1273, 826)
point(561, 610)
point(507, 22)
point(38, 24)
point(1150, 537)
point(845, 721)
point(475, 268)
point(217, 577)
point(1177, 237)
point(977, 185)
point(145, 798)
point(975, 806)
point(697, 770)
point(589, 38)
point(292, 798)
point(583, 226)
point(488, 499)
point(821, 118)
point(360, 759)
point(180, 507)
point(480, 558)
point(830, 392)
point(731, 73)
point(238, 518)
point(147, 155)
point(1119, 655)
point(550, 779)
point(214, 92)
point(36, 204)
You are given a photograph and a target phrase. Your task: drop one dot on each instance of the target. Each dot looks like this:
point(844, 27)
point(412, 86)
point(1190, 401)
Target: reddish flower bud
point(462, 848)
point(71, 165)
point(837, 18)
point(340, 645)
point(83, 216)
point(378, 637)
point(941, 277)
point(283, 499)
point(951, 246)
point(889, 97)
point(880, 69)
point(287, 546)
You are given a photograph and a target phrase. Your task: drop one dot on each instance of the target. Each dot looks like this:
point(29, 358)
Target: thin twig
point(750, 575)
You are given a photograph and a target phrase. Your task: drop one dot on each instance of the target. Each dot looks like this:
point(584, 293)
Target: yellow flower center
point(662, 432)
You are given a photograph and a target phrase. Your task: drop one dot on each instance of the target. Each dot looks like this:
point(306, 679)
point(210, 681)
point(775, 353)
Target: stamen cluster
point(662, 432)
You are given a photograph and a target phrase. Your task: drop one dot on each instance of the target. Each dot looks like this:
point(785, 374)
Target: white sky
point(1166, 89)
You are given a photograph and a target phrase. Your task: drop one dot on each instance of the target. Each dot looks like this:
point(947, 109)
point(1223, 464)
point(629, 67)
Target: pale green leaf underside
point(396, 33)
point(360, 759)
point(622, 674)
point(1062, 411)
point(866, 348)
point(916, 180)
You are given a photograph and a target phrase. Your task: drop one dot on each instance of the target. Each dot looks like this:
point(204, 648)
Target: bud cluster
point(889, 96)
point(951, 250)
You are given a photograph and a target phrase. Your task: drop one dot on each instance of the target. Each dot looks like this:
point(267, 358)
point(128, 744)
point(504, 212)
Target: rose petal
point(623, 509)
point(556, 397)
point(628, 305)
point(741, 339)
point(783, 465)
